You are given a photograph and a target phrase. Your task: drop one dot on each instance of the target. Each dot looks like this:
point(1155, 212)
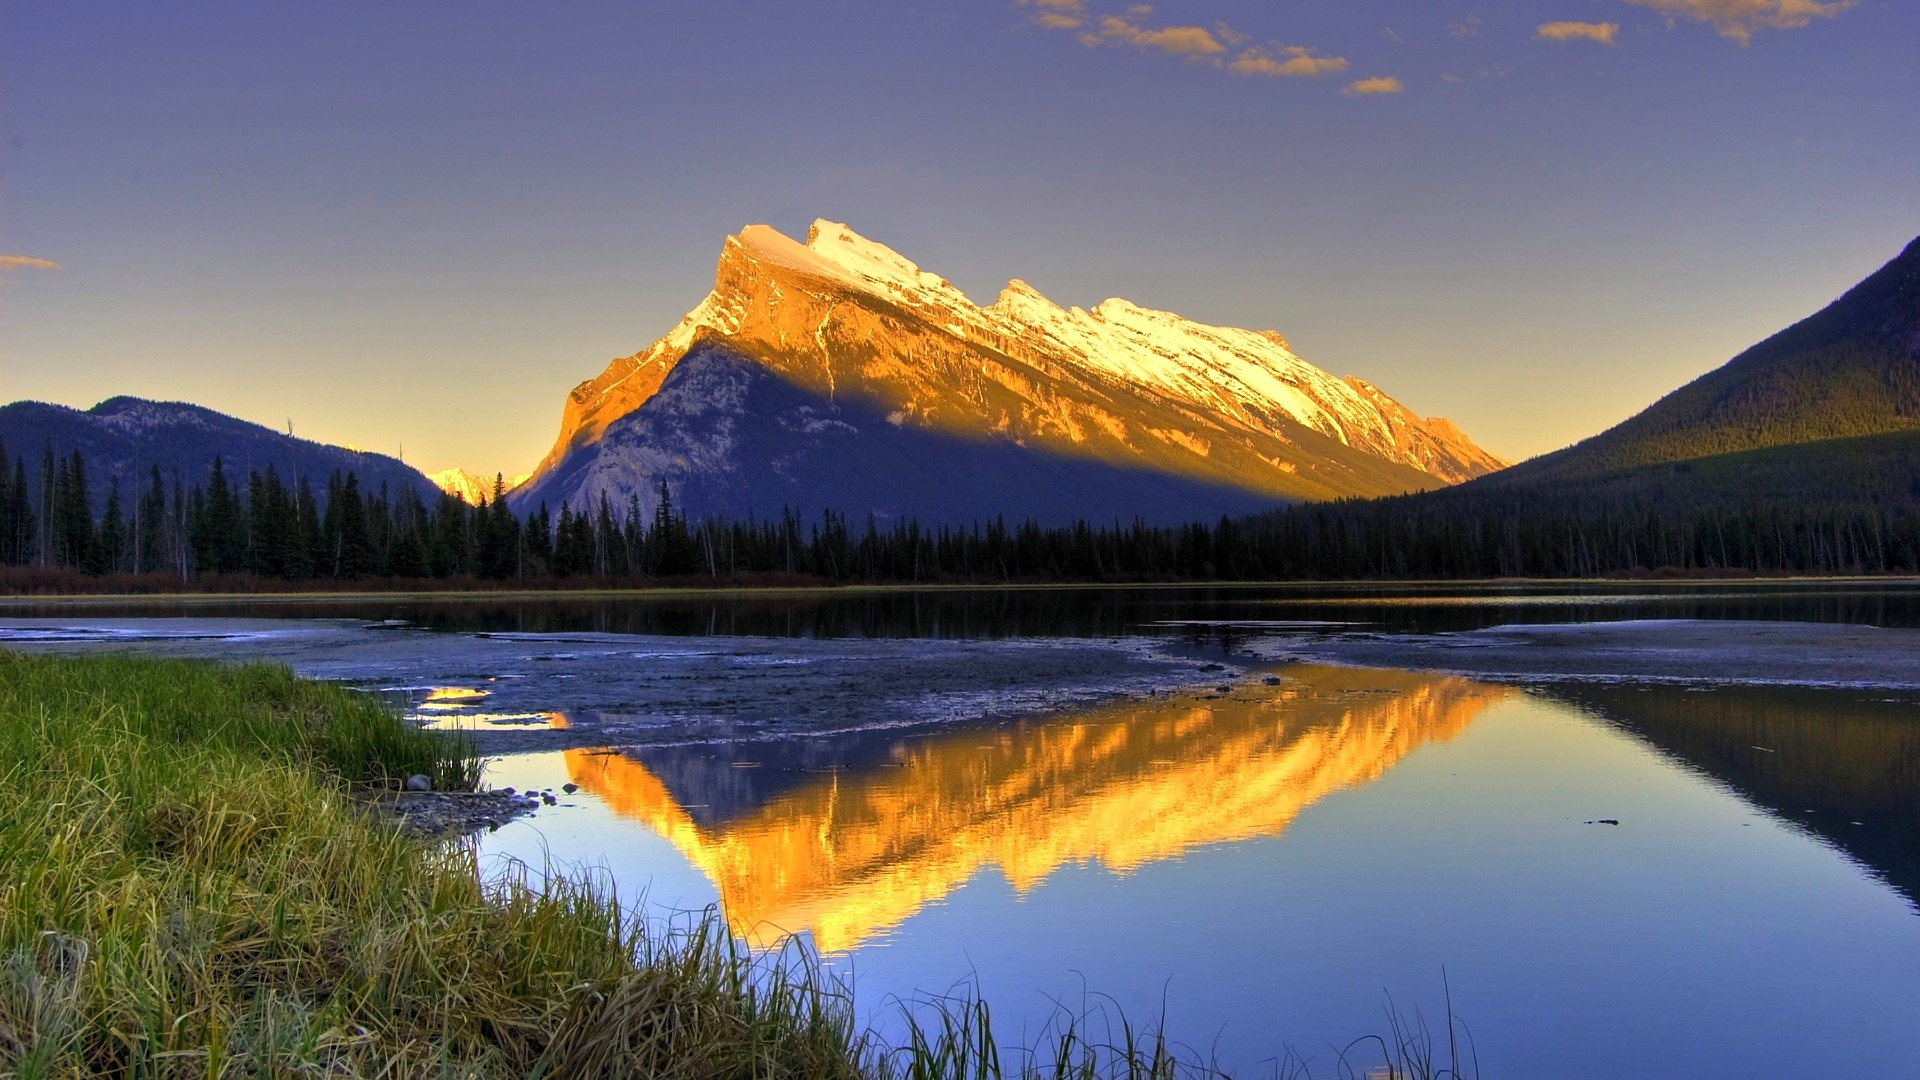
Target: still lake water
point(1264, 866)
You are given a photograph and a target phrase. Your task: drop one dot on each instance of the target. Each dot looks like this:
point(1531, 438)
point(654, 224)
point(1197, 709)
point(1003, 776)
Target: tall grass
point(188, 888)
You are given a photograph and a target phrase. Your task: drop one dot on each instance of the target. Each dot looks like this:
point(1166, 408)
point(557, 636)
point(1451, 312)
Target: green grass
point(189, 888)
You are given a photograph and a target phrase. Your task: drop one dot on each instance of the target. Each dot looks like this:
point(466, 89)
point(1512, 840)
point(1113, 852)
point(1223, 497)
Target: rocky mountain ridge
point(847, 321)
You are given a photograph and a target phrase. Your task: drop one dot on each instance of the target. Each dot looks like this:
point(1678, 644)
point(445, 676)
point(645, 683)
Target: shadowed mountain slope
point(732, 439)
point(124, 437)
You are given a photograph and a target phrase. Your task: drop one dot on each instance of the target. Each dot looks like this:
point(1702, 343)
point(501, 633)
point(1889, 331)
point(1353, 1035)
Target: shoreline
point(1693, 652)
point(754, 591)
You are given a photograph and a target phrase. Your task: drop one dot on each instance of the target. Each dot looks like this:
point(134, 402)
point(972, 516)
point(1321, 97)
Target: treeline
point(262, 526)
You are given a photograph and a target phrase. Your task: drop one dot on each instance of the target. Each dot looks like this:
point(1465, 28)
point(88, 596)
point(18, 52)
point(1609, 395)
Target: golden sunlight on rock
point(855, 853)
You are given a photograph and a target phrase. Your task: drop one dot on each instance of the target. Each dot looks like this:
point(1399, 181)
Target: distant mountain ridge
point(1850, 370)
point(856, 378)
point(124, 437)
point(472, 488)
point(1800, 455)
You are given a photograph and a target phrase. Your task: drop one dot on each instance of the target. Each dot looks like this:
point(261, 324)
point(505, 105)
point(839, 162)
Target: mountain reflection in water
point(849, 852)
point(1841, 765)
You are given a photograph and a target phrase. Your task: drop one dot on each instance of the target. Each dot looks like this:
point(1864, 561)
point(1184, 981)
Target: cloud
point(1128, 29)
point(27, 262)
point(1739, 19)
point(1465, 28)
point(1379, 84)
point(1601, 33)
point(1288, 61)
point(1208, 45)
point(1057, 14)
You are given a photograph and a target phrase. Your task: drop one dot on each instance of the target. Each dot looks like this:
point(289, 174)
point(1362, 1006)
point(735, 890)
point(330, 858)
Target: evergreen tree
point(349, 543)
point(219, 537)
point(150, 528)
point(451, 554)
point(539, 543)
point(108, 554)
point(308, 544)
point(9, 508)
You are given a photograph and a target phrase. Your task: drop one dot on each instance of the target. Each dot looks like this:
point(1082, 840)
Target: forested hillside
point(123, 438)
point(1852, 369)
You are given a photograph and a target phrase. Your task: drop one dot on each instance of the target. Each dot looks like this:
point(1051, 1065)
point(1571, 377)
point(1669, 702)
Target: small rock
point(549, 799)
point(1272, 680)
point(419, 782)
point(1213, 667)
point(569, 788)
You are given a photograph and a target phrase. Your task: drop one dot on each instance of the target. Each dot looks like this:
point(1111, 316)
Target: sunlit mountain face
point(849, 846)
point(837, 374)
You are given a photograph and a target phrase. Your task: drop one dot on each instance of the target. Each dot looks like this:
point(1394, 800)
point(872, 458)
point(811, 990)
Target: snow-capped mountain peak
point(842, 314)
point(468, 487)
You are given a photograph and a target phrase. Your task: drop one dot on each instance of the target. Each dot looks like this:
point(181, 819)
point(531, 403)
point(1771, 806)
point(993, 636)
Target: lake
point(1604, 876)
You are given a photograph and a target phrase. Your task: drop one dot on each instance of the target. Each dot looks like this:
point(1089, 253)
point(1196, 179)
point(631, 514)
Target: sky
point(414, 227)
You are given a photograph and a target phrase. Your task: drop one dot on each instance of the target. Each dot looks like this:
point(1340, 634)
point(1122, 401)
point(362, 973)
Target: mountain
point(837, 374)
point(470, 488)
point(123, 437)
point(1851, 370)
point(1800, 455)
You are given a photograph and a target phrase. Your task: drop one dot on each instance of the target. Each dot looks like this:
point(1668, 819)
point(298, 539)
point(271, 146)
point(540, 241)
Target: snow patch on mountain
point(472, 489)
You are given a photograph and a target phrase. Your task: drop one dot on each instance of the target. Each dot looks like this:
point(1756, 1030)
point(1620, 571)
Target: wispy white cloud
point(1599, 33)
point(1738, 20)
point(1466, 27)
point(1379, 84)
point(1288, 61)
point(1220, 45)
point(27, 262)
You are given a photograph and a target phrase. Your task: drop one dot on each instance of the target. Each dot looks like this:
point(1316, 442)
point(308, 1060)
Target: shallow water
point(1267, 865)
point(1092, 817)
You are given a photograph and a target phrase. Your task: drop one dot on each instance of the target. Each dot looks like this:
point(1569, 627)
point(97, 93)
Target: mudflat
point(530, 691)
point(1669, 651)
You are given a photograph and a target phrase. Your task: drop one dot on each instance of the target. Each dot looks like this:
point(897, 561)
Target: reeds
point(188, 888)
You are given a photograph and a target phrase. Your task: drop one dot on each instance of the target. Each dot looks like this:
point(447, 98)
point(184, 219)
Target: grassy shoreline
point(187, 889)
point(190, 886)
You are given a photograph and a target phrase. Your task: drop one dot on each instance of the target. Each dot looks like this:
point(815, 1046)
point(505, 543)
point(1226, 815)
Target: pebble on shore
point(440, 814)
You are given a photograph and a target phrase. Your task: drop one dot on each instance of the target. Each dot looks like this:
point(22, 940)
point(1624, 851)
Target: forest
point(1842, 507)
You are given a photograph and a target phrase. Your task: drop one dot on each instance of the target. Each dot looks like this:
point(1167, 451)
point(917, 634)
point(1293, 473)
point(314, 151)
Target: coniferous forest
point(1776, 511)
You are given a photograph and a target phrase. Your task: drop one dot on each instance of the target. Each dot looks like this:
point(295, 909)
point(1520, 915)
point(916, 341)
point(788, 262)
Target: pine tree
point(6, 507)
point(219, 530)
point(108, 553)
point(150, 533)
point(308, 543)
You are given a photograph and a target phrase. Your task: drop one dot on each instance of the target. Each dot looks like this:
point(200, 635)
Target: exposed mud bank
point(1667, 651)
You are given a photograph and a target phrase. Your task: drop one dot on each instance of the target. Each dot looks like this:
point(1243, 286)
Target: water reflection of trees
point(849, 852)
point(1088, 612)
point(1821, 759)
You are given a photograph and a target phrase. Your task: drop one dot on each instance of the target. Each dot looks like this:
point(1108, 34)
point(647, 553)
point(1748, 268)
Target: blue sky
point(420, 224)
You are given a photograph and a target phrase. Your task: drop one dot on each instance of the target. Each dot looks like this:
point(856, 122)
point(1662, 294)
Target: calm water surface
point(1077, 612)
point(1265, 866)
